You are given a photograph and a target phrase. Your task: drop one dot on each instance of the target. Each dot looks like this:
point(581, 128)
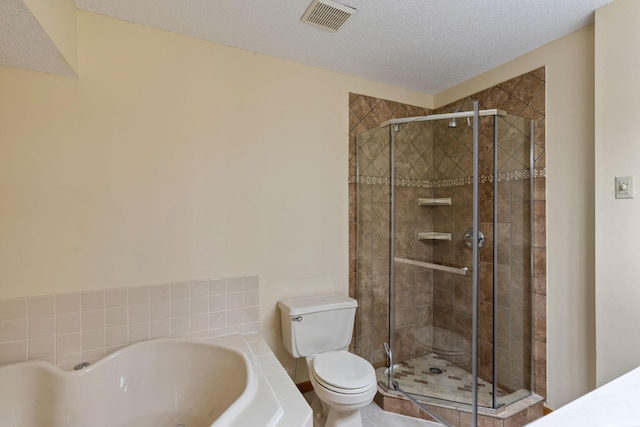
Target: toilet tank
point(312, 325)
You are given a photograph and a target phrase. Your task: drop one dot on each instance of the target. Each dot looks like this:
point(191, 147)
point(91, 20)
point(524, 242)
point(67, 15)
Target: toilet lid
point(343, 370)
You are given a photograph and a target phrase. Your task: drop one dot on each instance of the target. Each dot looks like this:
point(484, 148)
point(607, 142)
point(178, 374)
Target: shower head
point(453, 124)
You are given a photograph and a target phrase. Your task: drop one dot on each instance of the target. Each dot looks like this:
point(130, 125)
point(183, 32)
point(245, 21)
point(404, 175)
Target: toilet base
point(323, 416)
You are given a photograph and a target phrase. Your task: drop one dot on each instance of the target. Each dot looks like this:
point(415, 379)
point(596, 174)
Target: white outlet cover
point(625, 187)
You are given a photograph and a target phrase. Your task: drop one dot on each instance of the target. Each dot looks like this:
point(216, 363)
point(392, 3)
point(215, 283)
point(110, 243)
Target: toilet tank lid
point(305, 305)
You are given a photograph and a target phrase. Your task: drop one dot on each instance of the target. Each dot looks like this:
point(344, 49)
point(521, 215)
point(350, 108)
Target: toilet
point(319, 328)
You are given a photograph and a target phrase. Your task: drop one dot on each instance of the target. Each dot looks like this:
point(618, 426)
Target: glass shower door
point(419, 317)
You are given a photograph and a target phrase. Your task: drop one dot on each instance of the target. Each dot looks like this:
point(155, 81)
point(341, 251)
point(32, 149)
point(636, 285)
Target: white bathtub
point(154, 383)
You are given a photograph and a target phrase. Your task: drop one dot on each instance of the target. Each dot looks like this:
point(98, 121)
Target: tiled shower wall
point(522, 96)
point(372, 325)
point(68, 328)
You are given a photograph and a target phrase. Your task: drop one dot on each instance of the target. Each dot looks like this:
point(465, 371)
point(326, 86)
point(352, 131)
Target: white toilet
point(319, 328)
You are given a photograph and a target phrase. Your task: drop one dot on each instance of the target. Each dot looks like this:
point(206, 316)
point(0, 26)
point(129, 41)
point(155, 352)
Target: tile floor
point(453, 384)
point(373, 416)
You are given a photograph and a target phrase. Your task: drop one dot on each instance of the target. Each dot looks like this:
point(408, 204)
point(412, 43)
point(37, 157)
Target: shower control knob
point(467, 238)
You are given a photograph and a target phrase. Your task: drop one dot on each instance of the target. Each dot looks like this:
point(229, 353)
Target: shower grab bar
point(456, 270)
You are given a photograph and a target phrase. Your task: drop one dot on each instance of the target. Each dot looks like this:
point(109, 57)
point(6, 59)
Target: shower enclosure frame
point(394, 127)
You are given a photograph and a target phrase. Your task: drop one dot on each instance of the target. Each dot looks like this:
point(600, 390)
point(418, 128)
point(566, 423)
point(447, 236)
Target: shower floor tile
point(415, 376)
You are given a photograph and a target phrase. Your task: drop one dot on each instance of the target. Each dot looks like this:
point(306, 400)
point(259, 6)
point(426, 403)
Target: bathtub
point(156, 383)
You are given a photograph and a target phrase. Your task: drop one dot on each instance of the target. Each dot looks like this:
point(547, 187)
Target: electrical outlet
point(625, 187)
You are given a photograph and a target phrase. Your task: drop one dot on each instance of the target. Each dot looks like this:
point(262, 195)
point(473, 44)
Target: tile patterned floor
point(373, 416)
point(454, 384)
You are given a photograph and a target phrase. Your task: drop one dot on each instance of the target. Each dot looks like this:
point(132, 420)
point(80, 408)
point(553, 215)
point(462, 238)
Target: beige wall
point(570, 198)
point(58, 19)
point(172, 158)
point(617, 154)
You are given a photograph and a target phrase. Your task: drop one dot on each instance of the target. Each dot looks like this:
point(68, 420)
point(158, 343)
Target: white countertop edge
point(614, 404)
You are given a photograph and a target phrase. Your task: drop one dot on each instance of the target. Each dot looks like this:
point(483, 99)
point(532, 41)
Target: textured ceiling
point(424, 45)
point(24, 44)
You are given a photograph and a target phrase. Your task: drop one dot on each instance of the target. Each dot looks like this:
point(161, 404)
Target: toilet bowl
point(344, 383)
point(320, 329)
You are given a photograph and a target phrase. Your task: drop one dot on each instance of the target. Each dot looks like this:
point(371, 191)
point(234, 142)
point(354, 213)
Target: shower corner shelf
point(434, 235)
point(442, 201)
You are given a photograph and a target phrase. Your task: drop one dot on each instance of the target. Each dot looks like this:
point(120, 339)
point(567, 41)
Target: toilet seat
point(343, 372)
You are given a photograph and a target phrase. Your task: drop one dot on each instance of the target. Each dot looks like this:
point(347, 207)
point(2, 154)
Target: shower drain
point(436, 371)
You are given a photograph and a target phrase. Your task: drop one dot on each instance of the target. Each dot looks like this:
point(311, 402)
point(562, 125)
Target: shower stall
point(444, 258)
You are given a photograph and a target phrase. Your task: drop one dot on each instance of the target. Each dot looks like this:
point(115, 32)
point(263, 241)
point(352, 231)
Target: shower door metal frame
point(394, 127)
point(476, 264)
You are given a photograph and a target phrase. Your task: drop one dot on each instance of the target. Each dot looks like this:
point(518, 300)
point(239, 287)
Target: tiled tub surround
point(67, 328)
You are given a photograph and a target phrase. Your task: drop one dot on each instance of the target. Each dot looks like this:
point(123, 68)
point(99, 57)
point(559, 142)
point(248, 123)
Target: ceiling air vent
point(327, 14)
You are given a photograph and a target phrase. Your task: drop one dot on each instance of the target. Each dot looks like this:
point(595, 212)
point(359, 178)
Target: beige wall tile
point(13, 309)
point(13, 330)
point(94, 339)
point(199, 305)
point(115, 298)
point(198, 288)
point(217, 286)
point(41, 306)
point(138, 295)
point(116, 336)
point(40, 348)
point(68, 343)
point(179, 308)
point(93, 319)
point(179, 290)
point(68, 323)
point(12, 352)
point(116, 316)
point(138, 313)
point(93, 300)
point(251, 283)
point(41, 326)
point(90, 323)
point(235, 284)
point(179, 326)
point(161, 328)
point(68, 303)
point(200, 322)
point(139, 332)
point(159, 293)
point(160, 310)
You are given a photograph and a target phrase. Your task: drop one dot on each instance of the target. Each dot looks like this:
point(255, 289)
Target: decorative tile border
point(67, 328)
point(455, 182)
